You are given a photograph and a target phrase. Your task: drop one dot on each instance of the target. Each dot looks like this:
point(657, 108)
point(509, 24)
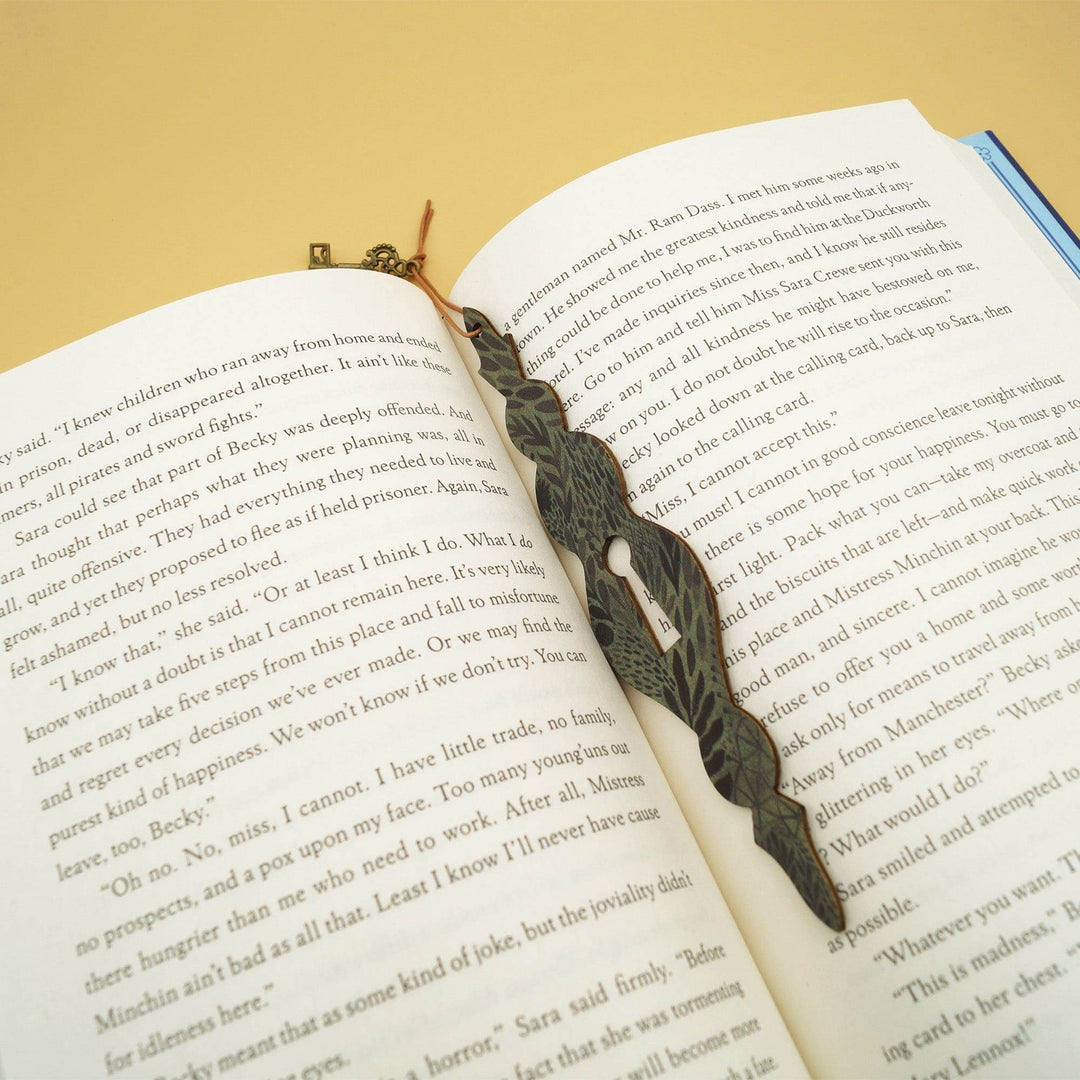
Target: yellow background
point(153, 150)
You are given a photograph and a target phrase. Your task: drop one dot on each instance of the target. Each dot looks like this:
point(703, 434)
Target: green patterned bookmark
point(582, 500)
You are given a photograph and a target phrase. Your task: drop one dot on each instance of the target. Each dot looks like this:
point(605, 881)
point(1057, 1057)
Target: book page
point(823, 357)
point(311, 765)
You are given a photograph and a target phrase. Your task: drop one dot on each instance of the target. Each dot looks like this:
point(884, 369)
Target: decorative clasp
point(383, 258)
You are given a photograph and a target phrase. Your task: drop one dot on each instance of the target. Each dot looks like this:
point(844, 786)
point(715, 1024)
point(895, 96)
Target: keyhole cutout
point(618, 560)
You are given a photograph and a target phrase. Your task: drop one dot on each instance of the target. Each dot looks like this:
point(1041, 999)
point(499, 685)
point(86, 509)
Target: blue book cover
point(1038, 208)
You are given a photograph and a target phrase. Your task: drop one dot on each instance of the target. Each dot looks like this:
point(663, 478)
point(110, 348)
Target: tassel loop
point(414, 272)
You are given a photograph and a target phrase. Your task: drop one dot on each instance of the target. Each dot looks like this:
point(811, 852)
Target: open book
point(312, 766)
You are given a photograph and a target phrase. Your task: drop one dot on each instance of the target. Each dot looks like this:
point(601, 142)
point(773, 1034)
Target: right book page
point(825, 357)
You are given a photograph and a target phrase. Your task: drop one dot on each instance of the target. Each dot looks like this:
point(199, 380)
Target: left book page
point(310, 764)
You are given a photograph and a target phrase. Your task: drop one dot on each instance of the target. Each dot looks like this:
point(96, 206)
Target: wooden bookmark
point(581, 495)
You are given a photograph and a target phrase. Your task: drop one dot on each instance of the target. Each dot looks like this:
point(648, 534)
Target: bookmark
point(581, 496)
